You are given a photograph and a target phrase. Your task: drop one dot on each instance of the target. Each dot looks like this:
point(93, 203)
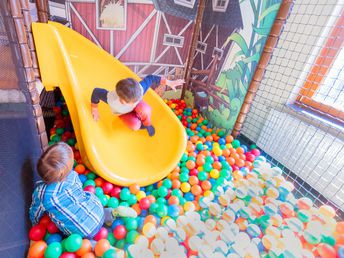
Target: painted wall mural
point(246, 45)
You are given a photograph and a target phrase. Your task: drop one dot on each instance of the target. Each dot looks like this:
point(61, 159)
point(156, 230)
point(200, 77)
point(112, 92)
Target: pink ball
point(115, 192)
point(145, 203)
point(250, 157)
point(37, 232)
point(107, 187)
point(235, 167)
point(52, 228)
point(120, 232)
point(193, 172)
point(255, 152)
point(90, 189)
point(102, 234)
point(68, 255)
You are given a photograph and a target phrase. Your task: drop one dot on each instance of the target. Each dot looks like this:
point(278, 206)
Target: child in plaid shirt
point(61, 196)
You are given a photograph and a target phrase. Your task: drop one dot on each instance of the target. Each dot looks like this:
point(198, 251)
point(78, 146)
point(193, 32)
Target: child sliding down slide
point(126, 101)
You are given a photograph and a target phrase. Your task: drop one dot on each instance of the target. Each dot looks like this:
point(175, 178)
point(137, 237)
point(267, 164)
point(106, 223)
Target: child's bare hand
point(174, 84)
point(95, 113)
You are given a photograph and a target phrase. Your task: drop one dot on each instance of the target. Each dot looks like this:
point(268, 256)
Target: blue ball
point(82, 178)
point(221, 158)
point(222, 141)
point(212, 181)
point(140, 223)
point(244, 147)
point(173, 210)
point(144, 213)
point(189, 196)
point(116, 223)
point(54, 238)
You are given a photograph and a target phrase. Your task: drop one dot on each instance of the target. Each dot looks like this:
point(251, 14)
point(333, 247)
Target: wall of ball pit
point(222, 200)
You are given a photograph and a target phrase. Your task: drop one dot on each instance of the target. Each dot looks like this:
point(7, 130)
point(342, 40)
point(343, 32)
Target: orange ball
point(151, 219)
point(190, 147)
point(240, 163)
point(173, 200)
point(137, 208)
point(190, 164)
point(193, 180)
point(37, 249)
point(240, 150)
point(159, 184)
point(86, 247)
point(99, 181)
point(206, 185)
point(200, 161)
point(196, 190)
point(88, 255)
point(80, 169)
point(226, 152)
point(151, 198)
point(231, 161)
point(174, 175)
point(209, 138)
point(175, 183)
point(194, 138)
point(229, 138)
point(134, 188)
point(217, 165)
point(101, 247)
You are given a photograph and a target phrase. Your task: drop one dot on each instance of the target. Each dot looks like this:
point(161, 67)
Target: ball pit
point(222, 200)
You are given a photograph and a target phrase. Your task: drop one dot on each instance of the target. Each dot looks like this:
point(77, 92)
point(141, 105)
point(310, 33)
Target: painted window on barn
point(186, 3)
point(217, 51)
point(173, 40)
point(201, 47)
point(220, 5)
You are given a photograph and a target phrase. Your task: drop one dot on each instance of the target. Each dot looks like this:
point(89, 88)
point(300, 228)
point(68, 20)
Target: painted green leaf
point(252, 58)
point(221, 82)
point(271, 12)
point(262, 31)
point(254, 9)
point(239, 40)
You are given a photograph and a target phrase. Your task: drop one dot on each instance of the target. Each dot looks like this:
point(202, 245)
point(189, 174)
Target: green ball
point(71, 141)
point(184, 158)
point(182, 200)
point(200, 146)
point(192, 158)
point(167, 183)
point(161, 200)
point(162, 210)
point(205, 122)
point(65, 112)
point(224, 173)
point(51, 143)
point(207, 167)
point(177, 192)
point(89, 182)
point(330, 240)
point(184, 170)
point(131, 224)
point(103, 199)
point(120, 243)
point(124, 204)
point(59, 131)
point(113, 202)
point(124, 194)
point(209, 159)
point(73, 243)
point(149, 188)
point(155, 193)
point(92, 176)
point(56, 138)
point(221, 133)
point(131, 236)
point(183, 177)
point(111, 238)
point(162, 191)
point(99, 191)
point(110, 253)
point(153, 207)
point(54, 250)
point(132, 199)
point(236, 144)
point(202, 176)
point(46, 236)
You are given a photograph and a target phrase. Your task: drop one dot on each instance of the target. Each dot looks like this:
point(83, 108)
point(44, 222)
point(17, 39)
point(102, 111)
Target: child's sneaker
point(122, 211)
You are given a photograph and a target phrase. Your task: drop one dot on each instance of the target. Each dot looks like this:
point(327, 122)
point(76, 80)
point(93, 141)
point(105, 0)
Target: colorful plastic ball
point(73, 243)
point(101, 247)
point(185, 187)
point(111, 238)
point(107, 187)
point(131, 236)
point(144, 203)
point(202, 176)
point(132, 200)
point(167, 183)
point(149, 229)
point(102, 234)
point(37, 232)
point(37, 249)
point(162, 191)
point(115, 192)
point(236, 144)
point(110, 253)
point(52, 228)
point(134, 188)
point(120, 243)
point(54, 250)
point(131, 224)
point(124, 194)
point(119, 232)
point(173, 211)
point(161, 210)
point(153, 207)
point(140, 195)
point(113, 202)
point(54, 238)
point(196, 190)
point(86, 247)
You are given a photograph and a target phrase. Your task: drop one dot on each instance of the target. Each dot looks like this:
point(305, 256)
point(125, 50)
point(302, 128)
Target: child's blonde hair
point(55, 163)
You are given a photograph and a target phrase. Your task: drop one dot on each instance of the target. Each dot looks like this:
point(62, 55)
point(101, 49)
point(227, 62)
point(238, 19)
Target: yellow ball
point(76, 146)
point(185, 187)
point(140, 195)
point(214, 173)
point(173, 105)
point(163, 220)
point(189, 206)
point(208, 193)
point(228, 145)
point(200, 168)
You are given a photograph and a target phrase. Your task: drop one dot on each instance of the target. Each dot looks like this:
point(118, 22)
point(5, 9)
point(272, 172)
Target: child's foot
point(122, 211)
point(150, 129)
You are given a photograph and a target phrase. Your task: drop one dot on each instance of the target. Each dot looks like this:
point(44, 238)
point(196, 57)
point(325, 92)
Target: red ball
point(45, 220)
point(52, 228)
point(115, 192)
point(37, 232)
point(102, 234)
point(90, 188)
point(235, 167)
point(255, 152)
point(250, 157)
point(193, 172)
point(120, 232)
point(145, 203)
point(107, 187)
point(68, 255)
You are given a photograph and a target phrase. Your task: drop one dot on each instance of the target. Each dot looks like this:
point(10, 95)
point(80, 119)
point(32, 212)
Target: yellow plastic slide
point(74, 64)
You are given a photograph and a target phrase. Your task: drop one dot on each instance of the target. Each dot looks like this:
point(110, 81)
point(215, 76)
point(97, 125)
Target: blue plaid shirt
point(71, 208)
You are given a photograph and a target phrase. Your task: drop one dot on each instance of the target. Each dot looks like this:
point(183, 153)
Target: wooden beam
point(200, 72)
